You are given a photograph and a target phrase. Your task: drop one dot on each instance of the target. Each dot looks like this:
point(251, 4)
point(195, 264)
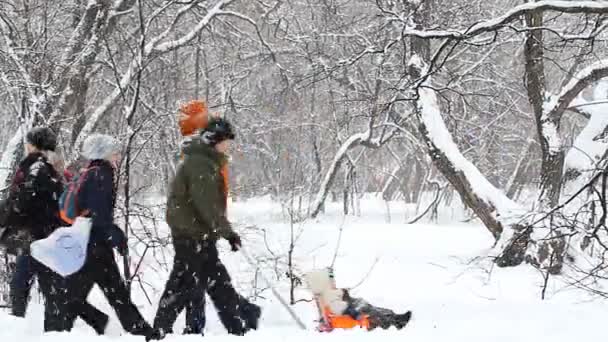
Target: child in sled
point(340, 310)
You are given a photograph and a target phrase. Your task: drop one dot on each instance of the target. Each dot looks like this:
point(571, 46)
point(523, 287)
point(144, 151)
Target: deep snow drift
point(432, 269)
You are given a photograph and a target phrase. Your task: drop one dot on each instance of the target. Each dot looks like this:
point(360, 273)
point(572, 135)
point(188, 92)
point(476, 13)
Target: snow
point(9, 156)
point(575, 82)
point(153, 47)
point(511, 15)
point(587, 150)
point(551, 134)
point(429, 268)
point(554, 105)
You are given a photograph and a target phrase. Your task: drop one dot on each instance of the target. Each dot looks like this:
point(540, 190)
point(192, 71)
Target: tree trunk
point(331, 173)
point(518, 180)
point(548, 130)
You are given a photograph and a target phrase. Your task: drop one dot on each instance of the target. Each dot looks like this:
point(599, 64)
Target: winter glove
point(235, 242)
point(118, 239)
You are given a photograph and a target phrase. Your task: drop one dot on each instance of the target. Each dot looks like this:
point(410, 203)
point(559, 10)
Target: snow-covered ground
point(432, 269)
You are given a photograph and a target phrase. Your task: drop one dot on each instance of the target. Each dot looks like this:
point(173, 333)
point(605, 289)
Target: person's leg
point(178, 289)
point(195, 314)
point(224, 296)
point(220, 285)
point(250, 313)
point(21, 284)
point(92, 316)
point(78, 286)
point(56, 311)
point(381, 317)
point(107, 276)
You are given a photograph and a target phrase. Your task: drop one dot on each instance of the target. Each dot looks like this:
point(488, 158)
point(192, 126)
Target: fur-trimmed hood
point(99, 147)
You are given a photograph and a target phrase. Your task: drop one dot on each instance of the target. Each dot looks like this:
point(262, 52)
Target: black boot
point(192, 331)
point(251, 315)
point(156, 335)
point(101, 325)
point(402, 320)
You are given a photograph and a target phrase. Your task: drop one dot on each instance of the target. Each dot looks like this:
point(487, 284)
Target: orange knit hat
point(193, 116)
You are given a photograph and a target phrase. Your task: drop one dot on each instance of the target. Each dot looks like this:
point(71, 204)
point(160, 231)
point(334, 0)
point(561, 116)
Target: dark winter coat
point(97, 195)
point(33, 198)
point(196, 206)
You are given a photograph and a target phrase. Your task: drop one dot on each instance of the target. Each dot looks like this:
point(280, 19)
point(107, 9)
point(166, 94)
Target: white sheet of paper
point(65, 250)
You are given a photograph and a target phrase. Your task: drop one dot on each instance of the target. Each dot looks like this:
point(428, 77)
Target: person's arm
point(334, 299)
point(206, 196)
point(26, 186)
point(95, 196)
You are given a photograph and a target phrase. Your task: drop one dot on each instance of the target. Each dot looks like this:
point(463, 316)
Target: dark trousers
point(194, 265)
point(53, 288)
point(378, 317)
point(219, 285)
point(100, 268)
point(21, 284)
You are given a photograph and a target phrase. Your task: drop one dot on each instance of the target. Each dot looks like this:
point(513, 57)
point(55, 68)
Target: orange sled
point(331, 321)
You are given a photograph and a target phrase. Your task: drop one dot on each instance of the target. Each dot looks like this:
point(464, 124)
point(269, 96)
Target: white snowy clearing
point(428, 268)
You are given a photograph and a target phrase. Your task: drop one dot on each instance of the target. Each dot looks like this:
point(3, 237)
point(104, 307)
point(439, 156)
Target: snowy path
point(426, 268)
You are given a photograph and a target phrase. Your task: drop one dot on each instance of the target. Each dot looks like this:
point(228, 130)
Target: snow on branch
point(556, 105)
point(441, 139)
point(83, 29)
point(10, 157)
point(353, 141)
point(591, 145)
point(7, 33)
point(587, 7)
point(188, 37)
point(490, 204)
point(152, 49)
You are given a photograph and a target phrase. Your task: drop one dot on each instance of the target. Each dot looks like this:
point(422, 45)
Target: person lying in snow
point(339, 302)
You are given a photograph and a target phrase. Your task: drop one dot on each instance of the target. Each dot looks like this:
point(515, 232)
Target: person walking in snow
point(96, 197)
point(31, 213)
point(196, 214)
point(193, 119)
point(42, 187)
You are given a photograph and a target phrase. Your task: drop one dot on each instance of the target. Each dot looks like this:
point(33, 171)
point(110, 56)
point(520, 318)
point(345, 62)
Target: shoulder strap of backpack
point(82, 177)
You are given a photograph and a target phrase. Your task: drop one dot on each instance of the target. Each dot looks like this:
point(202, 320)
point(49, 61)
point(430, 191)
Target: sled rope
point(292, 313)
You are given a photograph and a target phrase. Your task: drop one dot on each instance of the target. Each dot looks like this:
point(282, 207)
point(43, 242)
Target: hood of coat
point(196, 146)
point(99, 147)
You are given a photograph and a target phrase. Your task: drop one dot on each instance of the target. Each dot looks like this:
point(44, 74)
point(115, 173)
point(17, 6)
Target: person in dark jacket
point(33, 200)
point(196, 214)
point(97, 198)
point(193, 119)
